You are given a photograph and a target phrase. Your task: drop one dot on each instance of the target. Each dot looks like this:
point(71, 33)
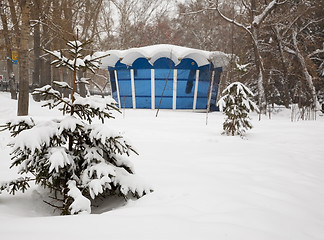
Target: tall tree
point(37, 47)
point(258, 12)
point(15, 21)
point(23, 99)
point(198, 27)
point(6, 35)
point(299, 36)
point(134, 17)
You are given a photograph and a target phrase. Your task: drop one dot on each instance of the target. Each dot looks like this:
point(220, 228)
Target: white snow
point(74, 44)
point(49, 89)
point(242, 67)
point(101, 132)
point(77, 62)
point(242, 90)
point(68, 122)
point(58, 158)
point(96, 102)
point(206, 186)
point(154, 52)
point(259, 18)
point(81, 204)
point(35, 137)
point(62, 84)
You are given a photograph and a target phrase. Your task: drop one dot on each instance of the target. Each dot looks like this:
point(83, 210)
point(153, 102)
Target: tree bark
point(253, 31)
point(257, 58)
point(284, 66)
point(302, 62)
point(11, 75)
point(37, 50)
point(23, 100)
point(15, 22)
point(46, 69)
point(82, 87)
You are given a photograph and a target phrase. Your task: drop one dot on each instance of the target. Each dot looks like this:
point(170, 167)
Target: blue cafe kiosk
point(165, 76)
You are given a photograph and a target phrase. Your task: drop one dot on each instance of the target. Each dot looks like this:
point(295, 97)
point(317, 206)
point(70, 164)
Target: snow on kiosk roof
point(164, 76)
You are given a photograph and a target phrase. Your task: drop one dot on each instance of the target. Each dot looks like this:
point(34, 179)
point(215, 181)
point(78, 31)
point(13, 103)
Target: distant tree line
point(279, 42)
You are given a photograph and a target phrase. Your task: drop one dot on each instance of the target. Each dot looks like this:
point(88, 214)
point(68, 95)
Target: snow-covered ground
point(269, 185)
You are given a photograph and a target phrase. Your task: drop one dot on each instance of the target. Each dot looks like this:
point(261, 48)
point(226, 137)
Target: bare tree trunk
point(23, 100)
point(46, 69)
point(15, 22)
point(82, 87)
point(302, 62)
point(257, 58)
point(283, 62)
point(95, 19)
point(57, 42)
point(68, 23)
point(36, 18)
point(253, 30)
point(11, 75)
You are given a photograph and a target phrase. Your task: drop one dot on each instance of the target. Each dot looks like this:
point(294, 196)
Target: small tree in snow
point(236, 104)
point(74, 158)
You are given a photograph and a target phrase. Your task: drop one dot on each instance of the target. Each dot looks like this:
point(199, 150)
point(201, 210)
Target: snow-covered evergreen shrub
point(72, 157)
point(236, 103)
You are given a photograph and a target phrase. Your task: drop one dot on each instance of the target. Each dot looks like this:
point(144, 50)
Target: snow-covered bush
point(236, 103)
point(75, 159)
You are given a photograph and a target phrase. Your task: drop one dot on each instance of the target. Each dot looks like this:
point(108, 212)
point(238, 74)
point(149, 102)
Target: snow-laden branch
point(74, 158)
point(246, 28)
point(236, 103)
point(289, 50)
point(78, 62)
point(317, 51)
point(259, 18)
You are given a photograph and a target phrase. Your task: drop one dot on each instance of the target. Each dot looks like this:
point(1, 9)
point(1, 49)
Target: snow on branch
point(83, 80)
point(80, 204)
point(58, 158)
point(41, 134)
point(77, 61)
point(87, 108)
point(289, 50)
point(20, 184)
point(317, 51)
point(54, 97)
point(74, 158)
point(62, 85)
point(237, 103)
point(259, 18)
point(110, 139)
point(130, 183)
point(18, 125)
point(233, 22)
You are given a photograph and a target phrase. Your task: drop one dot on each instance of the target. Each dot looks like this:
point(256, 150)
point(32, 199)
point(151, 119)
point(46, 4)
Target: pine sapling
point(75, 159)
point(236, 103)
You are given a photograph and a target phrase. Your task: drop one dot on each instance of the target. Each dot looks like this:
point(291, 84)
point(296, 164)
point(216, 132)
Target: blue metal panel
point(125, 88)
point(141, 63)
point(217, 75)
point(164, 69)
point(142, 79)
point(163, 103)
point(163, 88)
point(164, 63)
point(126, 101)
point(113, 82)
point(185, 88)
point(187, 63)
point(203, 86)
